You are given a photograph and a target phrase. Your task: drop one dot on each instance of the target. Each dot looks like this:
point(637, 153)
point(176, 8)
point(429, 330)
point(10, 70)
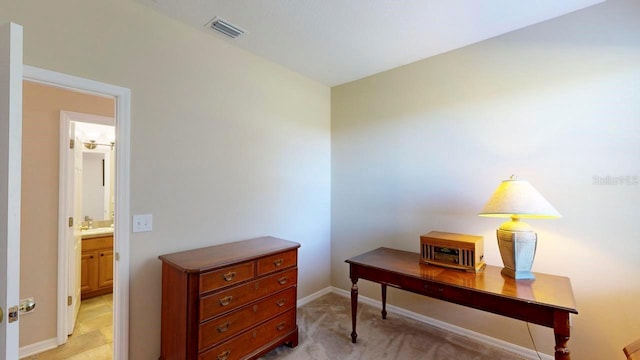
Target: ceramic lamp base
point(517, 249)
point(518, 275)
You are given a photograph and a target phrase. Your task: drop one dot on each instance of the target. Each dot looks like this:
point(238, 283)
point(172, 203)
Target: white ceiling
point(337, 41)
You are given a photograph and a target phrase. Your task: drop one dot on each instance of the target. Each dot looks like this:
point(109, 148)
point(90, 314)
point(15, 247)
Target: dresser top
point(209, 258)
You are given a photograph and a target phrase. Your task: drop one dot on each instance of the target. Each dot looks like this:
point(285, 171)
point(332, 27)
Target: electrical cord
point(533, 342)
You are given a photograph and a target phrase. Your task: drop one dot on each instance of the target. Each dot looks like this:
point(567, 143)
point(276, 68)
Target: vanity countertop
point(97, 232)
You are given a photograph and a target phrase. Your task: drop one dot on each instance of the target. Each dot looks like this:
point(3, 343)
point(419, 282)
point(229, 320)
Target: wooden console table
point(547, 300)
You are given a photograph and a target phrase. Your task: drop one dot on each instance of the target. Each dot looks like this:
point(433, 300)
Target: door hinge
point(117, 256)
point(69, 300)
point(72, 143)
point(70, 221)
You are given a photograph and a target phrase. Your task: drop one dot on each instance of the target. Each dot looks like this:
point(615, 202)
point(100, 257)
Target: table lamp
point(517, 241)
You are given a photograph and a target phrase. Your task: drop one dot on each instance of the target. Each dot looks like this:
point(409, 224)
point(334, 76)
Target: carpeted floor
point(325, 328)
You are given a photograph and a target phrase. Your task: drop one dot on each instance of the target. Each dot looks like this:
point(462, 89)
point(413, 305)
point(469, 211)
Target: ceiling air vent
point(225, 27)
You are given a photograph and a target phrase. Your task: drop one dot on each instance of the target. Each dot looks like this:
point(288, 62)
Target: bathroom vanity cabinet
point(97, 266)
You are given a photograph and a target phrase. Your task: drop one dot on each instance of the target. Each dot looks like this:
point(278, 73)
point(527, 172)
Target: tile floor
point(92, 338)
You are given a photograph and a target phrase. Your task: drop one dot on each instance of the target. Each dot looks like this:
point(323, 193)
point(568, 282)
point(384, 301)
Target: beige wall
point(39, 212)
point(422, 148)
point(224, 145)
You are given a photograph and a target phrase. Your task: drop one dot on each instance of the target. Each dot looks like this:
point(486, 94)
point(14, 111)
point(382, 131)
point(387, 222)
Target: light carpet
point(325, 327)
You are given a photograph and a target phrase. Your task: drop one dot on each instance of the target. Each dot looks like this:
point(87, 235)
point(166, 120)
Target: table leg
point(561, 331)
point(354, 309)
point(384, 301)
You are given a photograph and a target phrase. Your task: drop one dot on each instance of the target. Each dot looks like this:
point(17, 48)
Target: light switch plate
point(142, 222)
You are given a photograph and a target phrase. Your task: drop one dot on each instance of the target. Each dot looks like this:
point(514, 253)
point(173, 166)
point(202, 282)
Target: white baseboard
point(37, 348)
point(481, 338)
point(315, 295)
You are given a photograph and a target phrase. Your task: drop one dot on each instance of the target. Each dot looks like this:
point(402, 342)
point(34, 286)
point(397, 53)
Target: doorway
point(121, 98)
point(87, 196)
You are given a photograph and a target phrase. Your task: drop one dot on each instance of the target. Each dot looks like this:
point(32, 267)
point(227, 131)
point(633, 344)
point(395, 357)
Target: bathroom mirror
point(97, 142)
point(96, 185)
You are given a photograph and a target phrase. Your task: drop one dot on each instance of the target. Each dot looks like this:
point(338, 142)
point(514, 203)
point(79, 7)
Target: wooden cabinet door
point(105, 268)
point(89, 279)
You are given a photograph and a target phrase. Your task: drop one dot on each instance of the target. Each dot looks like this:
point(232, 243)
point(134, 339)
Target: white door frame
point(122, 223)
point(10, 189)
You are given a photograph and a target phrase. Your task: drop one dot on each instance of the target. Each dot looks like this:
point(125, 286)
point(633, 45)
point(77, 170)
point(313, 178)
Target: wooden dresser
point(230, 301)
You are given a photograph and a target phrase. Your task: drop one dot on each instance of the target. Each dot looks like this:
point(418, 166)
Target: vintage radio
point(458, 251)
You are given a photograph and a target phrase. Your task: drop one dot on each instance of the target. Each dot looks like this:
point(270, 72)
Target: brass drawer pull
point(224, 327)
point(280, 326)
point(224, 355)
point(278, 262)
point(282, 280)
point(281, 302)
point(225, 300)
point(229, 276)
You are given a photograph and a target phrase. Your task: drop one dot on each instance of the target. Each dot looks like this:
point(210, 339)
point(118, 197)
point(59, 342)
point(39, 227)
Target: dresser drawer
point(226, 276)
point(249, 341)
point(221, 328)
point(277, 262)
point(227, 300)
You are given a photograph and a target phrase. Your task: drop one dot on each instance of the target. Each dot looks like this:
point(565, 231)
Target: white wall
point(224, 145)
point(422, 148)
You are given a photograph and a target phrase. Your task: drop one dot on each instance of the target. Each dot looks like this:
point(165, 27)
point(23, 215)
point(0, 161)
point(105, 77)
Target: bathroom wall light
point(92, 144)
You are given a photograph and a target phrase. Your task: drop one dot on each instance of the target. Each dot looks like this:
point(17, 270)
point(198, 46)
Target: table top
point(547, 290)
